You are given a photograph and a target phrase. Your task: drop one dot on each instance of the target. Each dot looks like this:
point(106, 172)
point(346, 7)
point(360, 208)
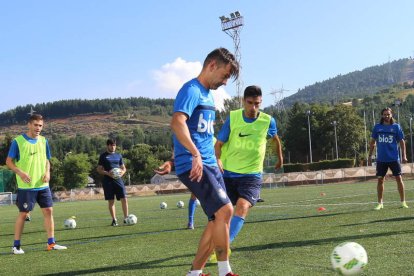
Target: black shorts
point(112, 189)
point(26, 199)
point(210, 191)
point(382, 168)
point(247, 187)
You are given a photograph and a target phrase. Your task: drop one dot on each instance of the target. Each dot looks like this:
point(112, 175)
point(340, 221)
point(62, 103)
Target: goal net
point(6, 198)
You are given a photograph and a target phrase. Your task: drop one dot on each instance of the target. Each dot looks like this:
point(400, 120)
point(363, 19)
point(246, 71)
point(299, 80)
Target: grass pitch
point(285, 235)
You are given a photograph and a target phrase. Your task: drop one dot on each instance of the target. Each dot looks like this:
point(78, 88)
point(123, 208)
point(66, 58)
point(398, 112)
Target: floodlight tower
point(232, 27)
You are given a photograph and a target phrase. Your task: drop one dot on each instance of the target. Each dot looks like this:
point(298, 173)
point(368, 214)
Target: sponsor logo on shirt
point(205, 125)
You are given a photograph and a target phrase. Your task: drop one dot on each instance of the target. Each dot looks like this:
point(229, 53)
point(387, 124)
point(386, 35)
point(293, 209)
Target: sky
point(94, 49)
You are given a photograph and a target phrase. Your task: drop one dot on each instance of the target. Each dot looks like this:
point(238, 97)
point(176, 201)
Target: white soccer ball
point(116, 172)
point(180, 204)
point(349, 258)
point(163, 205)
point(198, 202)
point(69, 223)
point(131, 219)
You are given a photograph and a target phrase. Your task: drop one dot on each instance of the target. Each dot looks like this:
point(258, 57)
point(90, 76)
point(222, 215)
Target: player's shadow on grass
point(132, 267)
point(380, 221)
point(333, 240)
point(286, 217)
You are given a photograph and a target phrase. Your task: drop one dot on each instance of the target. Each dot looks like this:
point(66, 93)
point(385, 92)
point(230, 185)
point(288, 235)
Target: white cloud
point(171, 77)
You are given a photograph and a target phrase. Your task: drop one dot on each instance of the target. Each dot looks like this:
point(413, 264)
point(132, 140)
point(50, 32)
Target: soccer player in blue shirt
point(194, 158)
point(387, 135)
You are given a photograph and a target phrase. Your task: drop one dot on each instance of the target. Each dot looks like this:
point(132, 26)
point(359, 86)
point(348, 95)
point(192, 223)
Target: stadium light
point(335, 123)
point(232, 27)
point(308, 113)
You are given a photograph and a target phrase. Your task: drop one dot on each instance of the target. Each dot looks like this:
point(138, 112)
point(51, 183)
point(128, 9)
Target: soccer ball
point(349, 258)
point(116, 172)
point(131, 219)
point(69, 223)
point(180, 204)
point(198, 202)
point(163, 205)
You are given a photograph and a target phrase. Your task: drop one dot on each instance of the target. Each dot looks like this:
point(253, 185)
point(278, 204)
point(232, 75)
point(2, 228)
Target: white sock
point(194, 273)
point(224, 267)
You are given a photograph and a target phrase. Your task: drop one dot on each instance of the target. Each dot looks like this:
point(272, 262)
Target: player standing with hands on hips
point(194, 157)
point(387, 135)
point(28, 157)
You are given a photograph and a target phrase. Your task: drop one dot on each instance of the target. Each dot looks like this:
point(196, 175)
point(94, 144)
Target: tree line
point(335, 130)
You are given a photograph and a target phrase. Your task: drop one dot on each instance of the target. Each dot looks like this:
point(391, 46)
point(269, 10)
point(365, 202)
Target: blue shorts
point(210, 191)
point(26, 199)
point(243, 187)
point(112, 189)
point(382, 168)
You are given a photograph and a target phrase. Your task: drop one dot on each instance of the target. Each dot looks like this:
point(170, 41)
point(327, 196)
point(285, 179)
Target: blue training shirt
point(387, 138)
point(197, 103)
point(224, 135)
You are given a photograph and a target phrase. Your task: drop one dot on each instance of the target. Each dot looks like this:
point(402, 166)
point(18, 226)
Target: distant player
point(166, 168)
point(387, 135)
point(240, 151)
point(113, 186)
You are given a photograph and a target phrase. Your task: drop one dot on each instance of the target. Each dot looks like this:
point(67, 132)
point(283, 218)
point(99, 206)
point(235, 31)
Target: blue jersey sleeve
point(48, 152)
point(400, 134)
point(272, 131)
point(14, 151)
point(187, 100)
point(224, 132)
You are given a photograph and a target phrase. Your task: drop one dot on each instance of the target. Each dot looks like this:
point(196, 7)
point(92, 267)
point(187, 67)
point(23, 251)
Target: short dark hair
point(252, 91)
point(35, 117)
point(110, 141)
point(224, 56)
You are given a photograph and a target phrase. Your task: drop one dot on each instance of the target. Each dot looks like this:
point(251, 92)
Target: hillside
point(357, 84)
point(93, 125)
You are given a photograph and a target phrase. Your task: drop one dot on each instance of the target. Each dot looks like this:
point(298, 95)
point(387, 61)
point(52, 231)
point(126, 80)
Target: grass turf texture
point(285, 235)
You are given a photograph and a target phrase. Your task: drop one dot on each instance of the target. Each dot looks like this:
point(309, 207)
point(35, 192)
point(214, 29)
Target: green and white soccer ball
point(349, 258)
point(163, 205)
point(180, 204)
point(69, 223)
point(116, 172)
point(131, 219)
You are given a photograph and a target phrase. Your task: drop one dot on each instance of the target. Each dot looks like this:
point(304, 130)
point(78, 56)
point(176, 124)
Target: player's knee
point(224, 212)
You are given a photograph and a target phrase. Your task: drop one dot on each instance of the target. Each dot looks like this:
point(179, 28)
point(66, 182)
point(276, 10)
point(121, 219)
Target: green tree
point(56, 174)
point(142, 163)
point(76, 169)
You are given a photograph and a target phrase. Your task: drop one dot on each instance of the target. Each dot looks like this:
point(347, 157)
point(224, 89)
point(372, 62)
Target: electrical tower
point(278, 99)
point(232, 27)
